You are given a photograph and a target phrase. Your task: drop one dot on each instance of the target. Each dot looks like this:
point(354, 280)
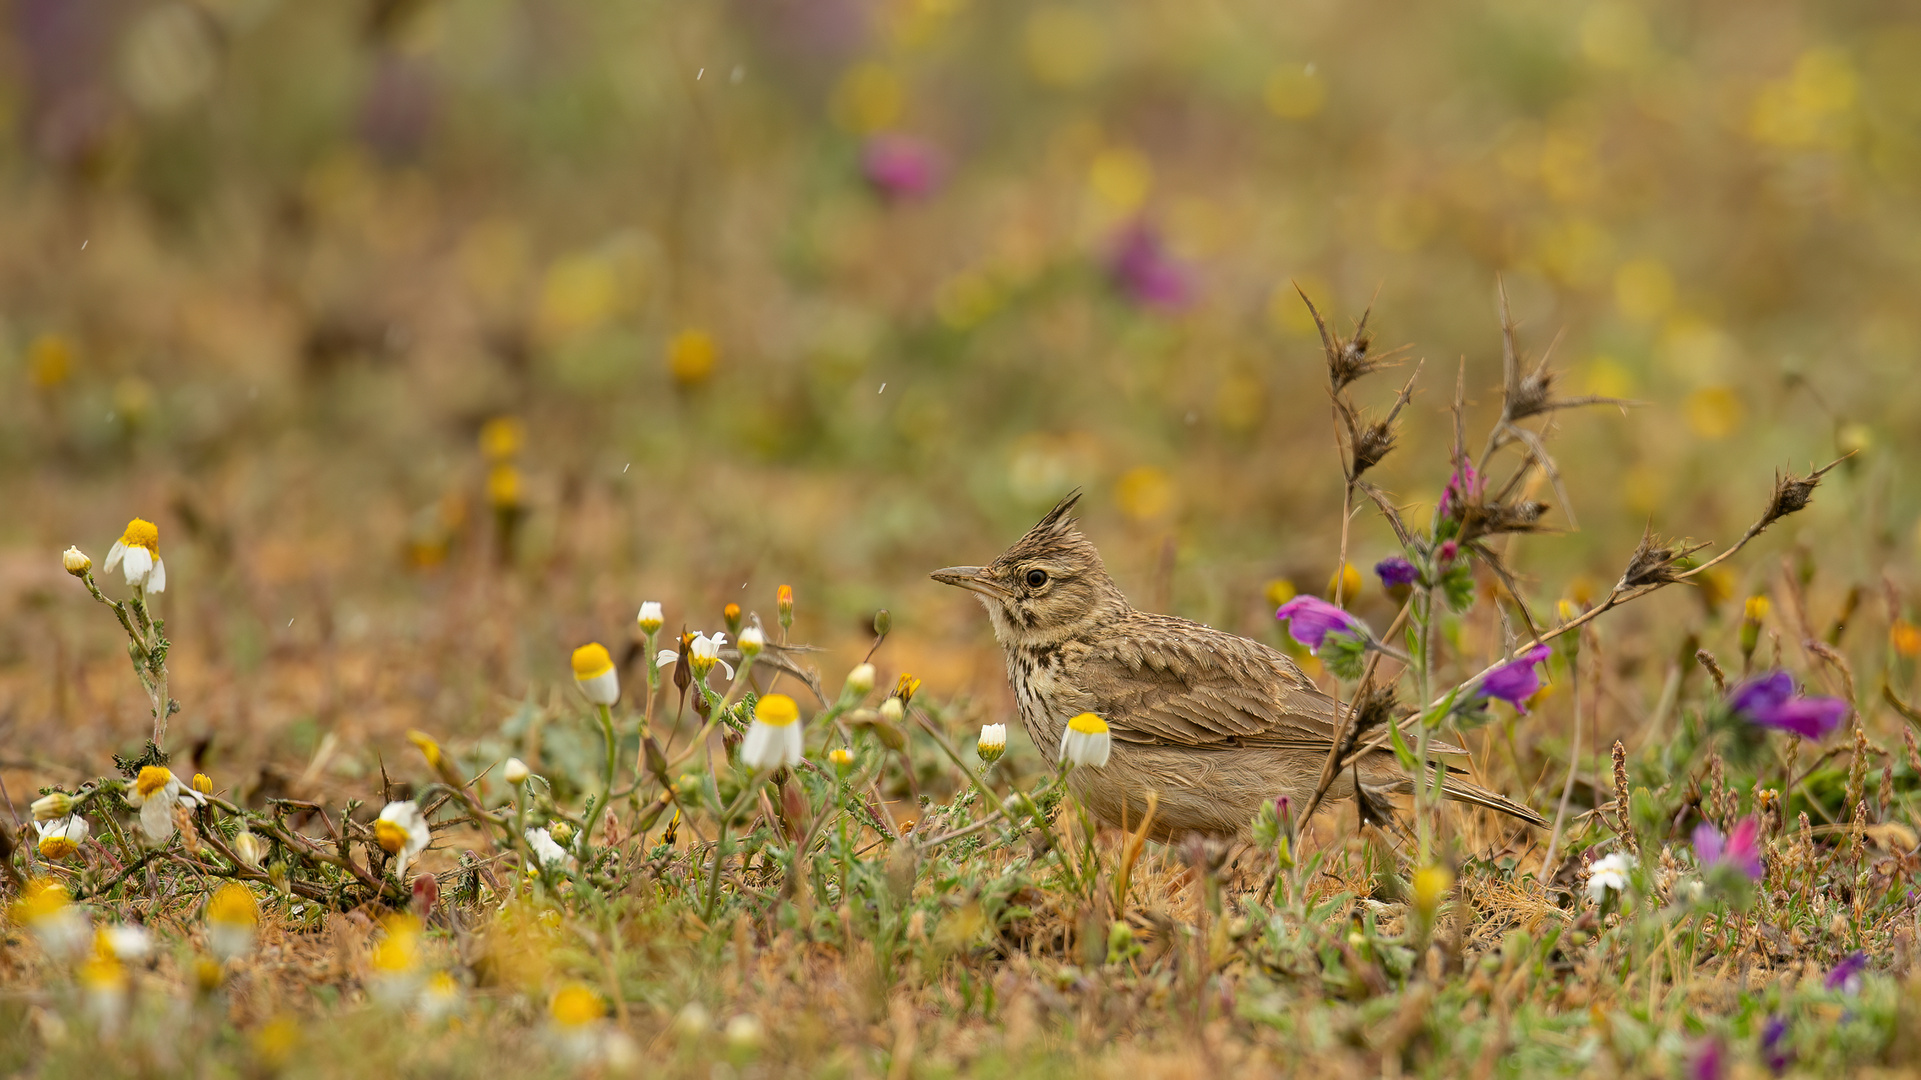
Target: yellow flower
point(1278, 591)
point(841, 758)
point(784, 603)
point(1906, 638)
point(46, 910)
point(691, 356)
point(232, 917)
point(139, 549)
point(1087, 741)
point(503, 487)
point(1431, 884)
point(575, 1006)
point(502, 437)
point(428, 748)
point(906, 687)
point(203, 783)
point(594, 674)
point(49, 361)
point(774, 739)
point(1348, 580)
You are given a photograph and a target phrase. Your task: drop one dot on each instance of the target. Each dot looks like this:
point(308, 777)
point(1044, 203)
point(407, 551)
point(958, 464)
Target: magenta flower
point(1705, 1062)
point(1143, 270)
point(1449, 549)
point(1739, 849)
point(902, 167)
point(1516, 681)
point(1395, 571)
point(1465, 484)
point(1311, 619)
point(1846, 975)
point(1769, 701)
point(1773, 1052)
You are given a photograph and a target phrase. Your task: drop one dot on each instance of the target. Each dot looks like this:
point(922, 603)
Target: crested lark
point(1214, 723)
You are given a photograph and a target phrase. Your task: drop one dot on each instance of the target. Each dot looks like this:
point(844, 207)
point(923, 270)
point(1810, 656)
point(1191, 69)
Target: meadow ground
point(435, 340)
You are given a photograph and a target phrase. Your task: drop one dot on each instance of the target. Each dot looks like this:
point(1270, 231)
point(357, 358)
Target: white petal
point(602, 689)
point(114, 555)
point(666, 658)
point(727, 667)
point(791, 745)
point(137, 565)
point(156, 820)
point(759, 751)
point(157, 581)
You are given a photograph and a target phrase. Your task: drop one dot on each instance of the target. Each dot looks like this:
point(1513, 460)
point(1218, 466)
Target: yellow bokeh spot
point(1643, 289)
point(1575, 251)
point(1121, 177)
point(502, 437)
point(49, 361)
point(1644, 488)
point(1295, 93)
point(1853, 438)
point(276, 1041)
point(1697, 349)
point(1287, 312)
point(1431, 884)
point(503, 486)
point(1802, 110)
point(574, 1005)
point(1240, 403)
point(1569, 171)
point(580, 292)
point(1714, 412)
point(492, 260)
point(1906, 638)
point(869, 98)
point(399, 951)
point(691, 357)
point(1064, 46)
point(1348, 581)
point(1614, 35)
point(43, 898)
point(1278, 591)
point(1607, 377)
point(233, 905)
point(966, 300)
point(1144, 493)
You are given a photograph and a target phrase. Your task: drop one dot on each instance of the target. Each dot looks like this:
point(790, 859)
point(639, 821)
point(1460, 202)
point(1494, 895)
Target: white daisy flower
point(137, 553)
point(595, 675)
point(155, 792)
point(124, 942)
point(1607, 875)
point(650, 618)
point(59, 839)
point(402, 832)
point(545, 848)
point(233, 916)
point(1086, 741)
point(993, 742)
point(774, 738)
point(703, 653)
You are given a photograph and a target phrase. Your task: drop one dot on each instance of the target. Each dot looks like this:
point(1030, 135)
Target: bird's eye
point(1036, 578)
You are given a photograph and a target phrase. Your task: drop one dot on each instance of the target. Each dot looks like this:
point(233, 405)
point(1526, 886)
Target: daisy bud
point(841, 758)
point(76, 561)
point(203, 783)
point(883, 622)
point(250, 847)
point(650, 618)
point(594, 674)
point(784, 601)
point(515, 771)
point(993, 743)
point(1087, 741)
point(906, 688)
point(860, 681)
point(56, 804)
point(731, 615)
point(774, 739)
point(751, 642)
point(562, 832)
point(891, 710)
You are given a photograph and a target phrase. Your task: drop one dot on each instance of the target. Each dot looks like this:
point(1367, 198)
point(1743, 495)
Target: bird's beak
point(972, 578)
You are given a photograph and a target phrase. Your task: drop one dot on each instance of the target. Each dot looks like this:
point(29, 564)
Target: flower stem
point(607, 788)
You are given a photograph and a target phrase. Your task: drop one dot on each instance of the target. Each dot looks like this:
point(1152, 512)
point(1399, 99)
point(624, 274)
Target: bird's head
point(1045, 587)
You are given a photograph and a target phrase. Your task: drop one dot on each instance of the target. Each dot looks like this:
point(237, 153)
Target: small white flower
point(1086, 741)
point(59, 839)
point(137, 553)
point(402, 832)
point(693, 1020)
point(703, 653)
point(892, 711)
point(49, 913)
point(233, 916)
point(993, 741)
point(124, 942)
point(155, 792)
point(439, 998)
point(744, 1032)
point(75, 562)
point(650, 618)
point(1606, 875)
point(751, 642)
point(595, 675)
point(545, 849)
point(774, 739)
point(515, 772)
point(250, 847)
point(860, 681)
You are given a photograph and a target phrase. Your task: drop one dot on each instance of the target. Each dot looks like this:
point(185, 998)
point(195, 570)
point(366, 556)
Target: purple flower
point(1846, 976)
point(1769, 701)
point(1705, 1061)
point(1311, 619)
point(1516, 681)
point(1143, 269)
point(1739, 849)
point(1449, 549)
point(1465, 484)
point(1772, 1052)
point(902, 167)
point(1395, 570)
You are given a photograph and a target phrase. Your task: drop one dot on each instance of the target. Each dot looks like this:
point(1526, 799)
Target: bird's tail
point(1461, 791)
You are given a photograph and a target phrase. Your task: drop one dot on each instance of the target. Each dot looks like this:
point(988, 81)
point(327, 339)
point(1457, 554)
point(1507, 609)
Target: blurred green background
point(835, 292)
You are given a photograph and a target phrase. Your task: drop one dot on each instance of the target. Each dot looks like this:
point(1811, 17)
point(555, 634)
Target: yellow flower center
point(429, 749)
point(591, 661)
point(399, 951)
point(841, 756)
point(391, 835)
point(233, 905)
point(57, 847)
point(575, 1005)
point(142, 533)
point(152, 780)
point(1088, 724)
point(906, 688)
point(776, 710)
point(203, 783)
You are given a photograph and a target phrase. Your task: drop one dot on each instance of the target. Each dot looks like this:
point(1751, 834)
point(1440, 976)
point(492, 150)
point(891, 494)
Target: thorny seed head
point(1792, 494)
point(1377, 708)
point(1656, 562)
point(1490, 519)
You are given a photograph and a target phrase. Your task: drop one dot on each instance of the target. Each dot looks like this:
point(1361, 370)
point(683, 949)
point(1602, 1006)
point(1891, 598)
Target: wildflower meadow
point(472, 474)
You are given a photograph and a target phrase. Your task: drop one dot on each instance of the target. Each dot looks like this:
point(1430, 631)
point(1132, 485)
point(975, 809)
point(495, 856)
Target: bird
point(1212, 723)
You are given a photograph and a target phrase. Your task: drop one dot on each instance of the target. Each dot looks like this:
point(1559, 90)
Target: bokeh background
point(835, 292)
